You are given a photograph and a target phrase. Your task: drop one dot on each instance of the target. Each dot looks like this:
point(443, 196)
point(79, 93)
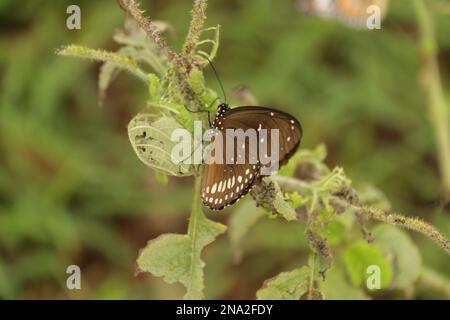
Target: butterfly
point(225, 183)
point(351, 12)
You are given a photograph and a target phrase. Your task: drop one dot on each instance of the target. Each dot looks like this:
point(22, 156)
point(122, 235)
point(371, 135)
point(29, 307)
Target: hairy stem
point(101, 55)
point(396, 219)
point(195, 28)
point(179, 62)
point(152, 31)
point(196, 207)
point(406, 222)
point(312, 265)
point(438, 109)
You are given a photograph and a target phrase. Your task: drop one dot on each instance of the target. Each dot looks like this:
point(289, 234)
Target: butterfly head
point(222, 108)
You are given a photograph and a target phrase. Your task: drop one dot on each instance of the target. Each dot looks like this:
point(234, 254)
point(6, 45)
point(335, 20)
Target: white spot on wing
point(224, 186)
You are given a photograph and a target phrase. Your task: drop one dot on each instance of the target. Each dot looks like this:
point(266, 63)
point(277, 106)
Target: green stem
point(120, 60)
point(181, 67)
point(152, 31)
point(312, 266)
point(291, 184)
point(196, 211)
point(438, 108)
point(195, 217)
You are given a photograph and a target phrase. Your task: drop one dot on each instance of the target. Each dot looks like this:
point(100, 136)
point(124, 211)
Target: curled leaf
point(268, 195)
point(151, 140)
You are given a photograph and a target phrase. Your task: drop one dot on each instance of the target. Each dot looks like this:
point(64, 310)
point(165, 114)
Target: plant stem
point(181, 66)
point(292, 184)
point(131, 8)
point(196, 207)
point(406, 222)
point(414, 224)
point(438, 109)
point(312, 266)
point(193, 228)
point(105, 56)
point(195, 28)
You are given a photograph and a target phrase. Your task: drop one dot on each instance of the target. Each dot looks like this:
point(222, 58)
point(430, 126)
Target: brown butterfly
point(225, 183)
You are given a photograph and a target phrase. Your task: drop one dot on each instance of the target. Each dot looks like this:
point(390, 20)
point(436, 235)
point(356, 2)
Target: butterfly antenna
point(218, 79)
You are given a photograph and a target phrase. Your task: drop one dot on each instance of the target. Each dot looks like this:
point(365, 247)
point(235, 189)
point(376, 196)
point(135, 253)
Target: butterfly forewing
point(224, 184)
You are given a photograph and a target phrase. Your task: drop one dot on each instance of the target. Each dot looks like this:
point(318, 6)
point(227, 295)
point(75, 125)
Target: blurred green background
point(72, 191)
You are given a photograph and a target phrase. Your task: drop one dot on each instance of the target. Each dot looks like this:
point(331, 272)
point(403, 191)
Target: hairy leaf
point(282, 206)
point(336, 287)
point(176, 257)
point(286, 286)
point(151, 140)
point(406, 258)
point(121, 61)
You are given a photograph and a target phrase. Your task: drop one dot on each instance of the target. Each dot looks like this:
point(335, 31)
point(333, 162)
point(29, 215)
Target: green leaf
point(361, 255)
point(288, 169)
point(286, 286)
point(154, 87)
point(242, 219)
point(110, 69)
point(406, 258)
point(107, 72)
point(161, 178)
point(335, 232)
point(151, 140)
point(282, 206)
point(121, 61)
point(374, 197)
point(176, 257)
point(336, 287)
point(197, 82)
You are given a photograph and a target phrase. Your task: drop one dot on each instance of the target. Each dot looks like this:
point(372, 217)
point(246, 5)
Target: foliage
point(69, 192)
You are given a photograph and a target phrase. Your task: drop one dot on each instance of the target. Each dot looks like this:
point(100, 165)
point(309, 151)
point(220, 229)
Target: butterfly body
point(277, 133)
